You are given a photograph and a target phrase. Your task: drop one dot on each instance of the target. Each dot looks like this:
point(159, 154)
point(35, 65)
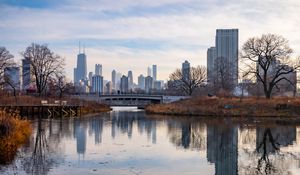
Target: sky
point(134, 34)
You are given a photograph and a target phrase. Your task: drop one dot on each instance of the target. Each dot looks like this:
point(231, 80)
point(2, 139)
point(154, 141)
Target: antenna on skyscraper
point(79, 47)
point(84, 48)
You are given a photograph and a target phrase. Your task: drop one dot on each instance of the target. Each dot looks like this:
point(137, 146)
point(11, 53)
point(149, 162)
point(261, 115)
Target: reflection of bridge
point(139, 100)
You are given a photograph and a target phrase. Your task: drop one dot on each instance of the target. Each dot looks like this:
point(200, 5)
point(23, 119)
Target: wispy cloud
point(130, 34)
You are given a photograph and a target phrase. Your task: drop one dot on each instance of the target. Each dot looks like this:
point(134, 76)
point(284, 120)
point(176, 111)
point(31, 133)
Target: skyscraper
point(90, 77)
point(81, 67)
point(118, 80)
point(130, 80)
point(211, 57)
point(157, 85)
point(124, 84)
point(113, 79)
point(12, 75)
point(141, 81)
point(148, 83)
point(227, 44)
point(154, 72)
point(27, 77)
point(97, 84)
point(108, 87)
point(98, 69)
point(149, 72)
point(186, 70)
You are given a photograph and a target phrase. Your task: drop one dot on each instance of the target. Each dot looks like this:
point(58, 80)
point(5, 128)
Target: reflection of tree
point(268, 158)
point(41, 159)
point(264, 160)
point(187, 134)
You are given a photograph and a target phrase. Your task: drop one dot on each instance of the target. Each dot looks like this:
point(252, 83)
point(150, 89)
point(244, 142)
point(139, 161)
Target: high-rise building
point(90, 76)
point(157, 85)
point(12, 75)
point(227, 47)
point(98, 69)
point(149, 72)
point(130, 80)
point(186, 70)
point(148, 83)
point(211, 57)
point(118, 80)
point(81, 69)
point(108, 87)
point(97, 84)
point(141, 81)
point(27, 77)
point(113, 79)
point(154, 72)
point(124, 84)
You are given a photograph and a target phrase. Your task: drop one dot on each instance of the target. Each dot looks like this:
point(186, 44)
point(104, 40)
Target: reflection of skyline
point(124, 122)
point(222, 143)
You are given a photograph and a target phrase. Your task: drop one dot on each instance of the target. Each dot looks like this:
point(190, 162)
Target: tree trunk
point(268, 94)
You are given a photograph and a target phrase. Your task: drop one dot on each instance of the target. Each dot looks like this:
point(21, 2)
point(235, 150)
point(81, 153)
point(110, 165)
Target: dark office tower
point(211, 57)
point(26, 74)
point(227, 48)
point(186, 70)
point(80, 72)
point(81, 67)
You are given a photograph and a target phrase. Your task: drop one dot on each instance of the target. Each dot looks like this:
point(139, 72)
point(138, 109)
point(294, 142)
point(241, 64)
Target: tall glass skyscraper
point(113, 79)
point(130, 80)
point(154, 72)
point(227, 47)
point(81, 70)
point(211, 57)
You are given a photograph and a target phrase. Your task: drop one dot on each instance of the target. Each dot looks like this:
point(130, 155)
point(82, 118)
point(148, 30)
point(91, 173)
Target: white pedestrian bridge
point(139, 100)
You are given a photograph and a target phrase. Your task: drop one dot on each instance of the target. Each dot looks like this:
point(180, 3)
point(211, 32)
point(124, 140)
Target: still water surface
point(127, 141)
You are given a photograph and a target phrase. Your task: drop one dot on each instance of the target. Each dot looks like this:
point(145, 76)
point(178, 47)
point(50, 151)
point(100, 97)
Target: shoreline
point(230, 107)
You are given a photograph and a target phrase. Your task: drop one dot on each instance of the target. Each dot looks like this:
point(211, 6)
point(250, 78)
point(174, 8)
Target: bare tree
point(222, 77)
point(9, 81)
point(44, 65)
point(267, 59)
point(188, 84)
point(61, 84)
point(6, 60)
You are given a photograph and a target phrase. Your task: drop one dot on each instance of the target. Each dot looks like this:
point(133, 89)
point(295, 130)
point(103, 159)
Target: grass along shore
point(232, 107)
point(14, 132)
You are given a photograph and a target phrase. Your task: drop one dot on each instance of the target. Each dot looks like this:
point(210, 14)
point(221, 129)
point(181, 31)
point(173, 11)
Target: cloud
point(132, 34)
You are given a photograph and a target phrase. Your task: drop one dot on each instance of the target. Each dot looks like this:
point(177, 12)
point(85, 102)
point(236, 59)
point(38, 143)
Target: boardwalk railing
point(43, 110)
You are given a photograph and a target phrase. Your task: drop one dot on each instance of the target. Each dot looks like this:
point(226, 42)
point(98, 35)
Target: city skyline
point(122, 37)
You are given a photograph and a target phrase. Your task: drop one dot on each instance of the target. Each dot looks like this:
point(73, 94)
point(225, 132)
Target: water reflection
point(222, 144)
point(269, 141)
point(42, 152)
point(132, 142)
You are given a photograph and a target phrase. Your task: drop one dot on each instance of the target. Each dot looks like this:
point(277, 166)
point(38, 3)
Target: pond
point(128, 141)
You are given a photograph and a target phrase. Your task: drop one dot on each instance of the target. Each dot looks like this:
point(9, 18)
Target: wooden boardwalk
point(45, 110)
